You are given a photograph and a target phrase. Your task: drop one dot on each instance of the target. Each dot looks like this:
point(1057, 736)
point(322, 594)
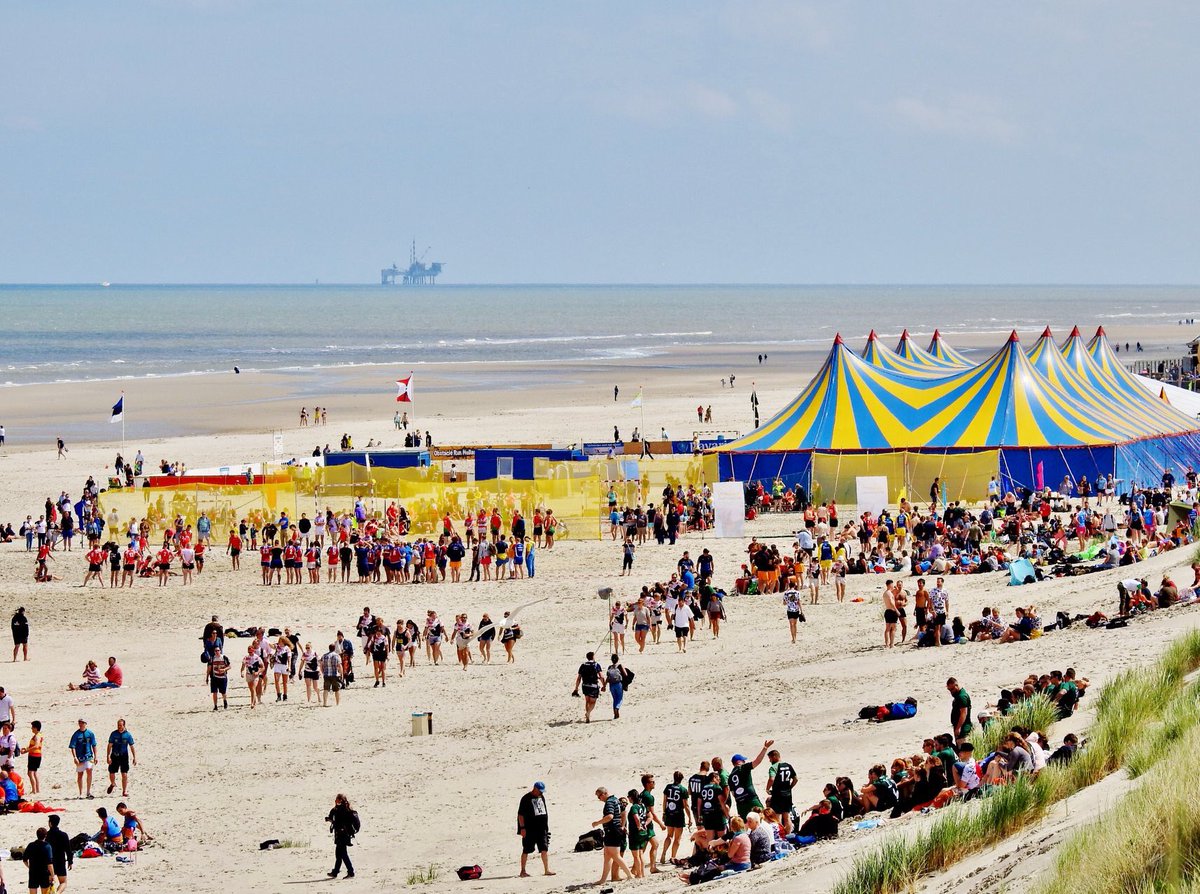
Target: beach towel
point(1091, 552)
point(1020, 571)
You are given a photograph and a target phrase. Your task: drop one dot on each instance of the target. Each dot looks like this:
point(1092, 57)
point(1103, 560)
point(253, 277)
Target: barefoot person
point(121, 752)
point(254, 671)
point(676, 813)
point(83, 751)
point(217, 673)
point(611, 823)
point(34, 753)
point(39, 856)
point(588, 677)
point(20, 634)
point(891, 617)
point(533, 825)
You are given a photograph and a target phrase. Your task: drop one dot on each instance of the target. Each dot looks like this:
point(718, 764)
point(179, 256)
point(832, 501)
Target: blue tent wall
point(792, 467)
point(1145, 461)
point(381, 459)
point(522, 461)
point(1018, 465)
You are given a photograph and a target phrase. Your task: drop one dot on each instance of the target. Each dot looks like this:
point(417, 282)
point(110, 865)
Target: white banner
point(872, 494)
point(729, 509)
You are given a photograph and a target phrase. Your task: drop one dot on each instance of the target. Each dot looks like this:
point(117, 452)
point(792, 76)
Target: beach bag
point(626, 677)
point(469, 873)
point(589, 841)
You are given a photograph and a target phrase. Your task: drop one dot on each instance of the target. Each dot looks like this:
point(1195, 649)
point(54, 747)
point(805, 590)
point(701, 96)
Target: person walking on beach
point(217, 674)
point(62, 449)
point(83, 751)
point(588, 677)
point(616, 391)
point(20, 633)
point(613, 837)
point(331, 673)
point(120, 751)
point(616, 679)
point(533, 825)
point(344, 824)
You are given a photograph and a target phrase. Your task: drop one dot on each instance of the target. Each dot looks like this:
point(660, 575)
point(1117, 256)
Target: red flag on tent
point(405, 391)
point(1040, 481)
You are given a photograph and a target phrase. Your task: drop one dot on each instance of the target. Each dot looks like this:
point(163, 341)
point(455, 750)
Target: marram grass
point(1142, 716)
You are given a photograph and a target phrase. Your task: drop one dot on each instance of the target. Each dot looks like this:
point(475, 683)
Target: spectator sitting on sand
point(113, 677)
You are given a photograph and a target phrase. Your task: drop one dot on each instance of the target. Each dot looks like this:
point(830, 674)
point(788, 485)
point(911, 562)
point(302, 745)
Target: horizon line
point(583, 284)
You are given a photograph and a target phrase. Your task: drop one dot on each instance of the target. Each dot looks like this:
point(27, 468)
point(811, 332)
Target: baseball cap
point(540, 786)
point(81, 720)
point(739, 757)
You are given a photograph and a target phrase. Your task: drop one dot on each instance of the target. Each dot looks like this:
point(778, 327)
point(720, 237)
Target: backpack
point(355, 822)
point(469, 873)
point(589, 841)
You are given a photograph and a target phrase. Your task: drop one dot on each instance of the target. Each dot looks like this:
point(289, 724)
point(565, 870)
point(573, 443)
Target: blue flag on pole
point(118, 410)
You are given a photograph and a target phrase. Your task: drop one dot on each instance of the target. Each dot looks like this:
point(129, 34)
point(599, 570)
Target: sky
point(642, 142)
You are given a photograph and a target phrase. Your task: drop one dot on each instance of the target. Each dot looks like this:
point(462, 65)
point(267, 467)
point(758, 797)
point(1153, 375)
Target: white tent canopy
point(1181, 399)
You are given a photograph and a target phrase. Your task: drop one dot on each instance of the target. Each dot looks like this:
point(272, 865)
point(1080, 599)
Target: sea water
point(71, 333)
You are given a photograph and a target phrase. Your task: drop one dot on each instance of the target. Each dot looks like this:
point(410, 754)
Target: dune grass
point(425, 875)
point(1149, 843)
point(1037, 713)
point(1141, 716)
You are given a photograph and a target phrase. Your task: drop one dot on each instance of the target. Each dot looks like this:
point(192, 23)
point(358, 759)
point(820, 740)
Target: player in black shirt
point(675, 813)
point(696, 782)
point(588, 678)
point(781, 779)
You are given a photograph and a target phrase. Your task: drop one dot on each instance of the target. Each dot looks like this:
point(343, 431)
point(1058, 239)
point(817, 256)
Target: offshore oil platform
point(418, 273)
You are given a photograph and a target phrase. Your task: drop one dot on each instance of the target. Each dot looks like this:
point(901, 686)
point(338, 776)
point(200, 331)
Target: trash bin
point(422, 723)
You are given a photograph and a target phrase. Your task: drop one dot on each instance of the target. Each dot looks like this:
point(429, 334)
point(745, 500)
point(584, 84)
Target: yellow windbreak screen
point(964, 476)
point(577, 492)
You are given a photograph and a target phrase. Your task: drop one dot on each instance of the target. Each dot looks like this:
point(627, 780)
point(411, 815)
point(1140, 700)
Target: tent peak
point(904, 335)
point(1100, 332)
point(837, 339)
point(872, 336)
point(1074, 332)
point(1013, 337)
point(1046, 333)
point(936, 334)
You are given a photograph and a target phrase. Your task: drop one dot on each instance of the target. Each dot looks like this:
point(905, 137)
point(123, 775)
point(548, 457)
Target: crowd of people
point(733, 828)
point(282, 658)
point(950, 538)
point(683, 508)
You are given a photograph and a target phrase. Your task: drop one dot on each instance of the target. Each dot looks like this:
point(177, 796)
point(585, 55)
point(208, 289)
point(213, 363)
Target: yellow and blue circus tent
point(943, 352)
point(1031, 426)
point(910, 350)
point(876, 353)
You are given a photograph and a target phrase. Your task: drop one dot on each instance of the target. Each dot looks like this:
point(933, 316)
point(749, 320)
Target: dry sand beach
point(210, 787)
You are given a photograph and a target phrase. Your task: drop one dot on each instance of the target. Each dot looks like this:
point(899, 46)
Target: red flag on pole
point(405, 389)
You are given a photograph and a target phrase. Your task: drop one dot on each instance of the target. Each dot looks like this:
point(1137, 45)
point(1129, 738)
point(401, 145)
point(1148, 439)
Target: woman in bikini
point(253, 670)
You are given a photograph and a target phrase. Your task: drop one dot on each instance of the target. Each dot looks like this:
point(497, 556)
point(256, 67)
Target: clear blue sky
point(225, 141)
